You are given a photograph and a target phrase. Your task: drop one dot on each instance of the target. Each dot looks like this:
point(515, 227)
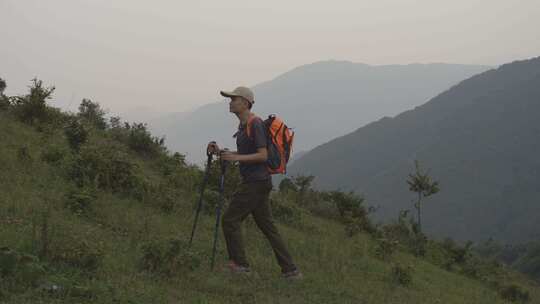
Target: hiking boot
point(292, 275)
point(232, 267)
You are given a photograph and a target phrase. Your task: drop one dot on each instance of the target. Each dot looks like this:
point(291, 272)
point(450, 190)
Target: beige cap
point(244, 92)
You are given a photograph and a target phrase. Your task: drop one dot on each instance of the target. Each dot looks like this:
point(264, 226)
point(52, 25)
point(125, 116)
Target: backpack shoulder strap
point(248, 125)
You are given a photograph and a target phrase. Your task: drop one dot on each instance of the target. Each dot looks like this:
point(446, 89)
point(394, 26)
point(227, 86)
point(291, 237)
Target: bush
point(385, 248)
point(171, 165)
point(170, 257)
point(351, 210)
point(285, 211)
point(164, 197)
point(19, 269)
point(514, 293)
point(287, 185)
point(303, 185)
point(457, 254)
point(398, 232)
point(4, 100)
point(32, 108)
point(106, 166)
point(91, 113)
point(3, 85)
point(354, 225)
point(137, 137)
point(53, 154)
point(405, 232)
point(76, 134)
point(321, 206)
point(79, 201)
point(56, 120)
point(402, 275)
point(83, 251)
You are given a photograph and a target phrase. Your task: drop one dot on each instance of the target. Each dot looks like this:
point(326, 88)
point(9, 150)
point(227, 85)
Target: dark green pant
point(252, 198)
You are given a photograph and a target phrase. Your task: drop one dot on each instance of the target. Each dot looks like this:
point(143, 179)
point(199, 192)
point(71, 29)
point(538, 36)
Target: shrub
point(514, 293)
point(404, 231)
point(164, 197)
point(319, 204)
point(53, 154)
point(79, 201)
point(351, 210)
point(76, 134)
point(285, 211)
point(106, 166)
point(303, 186)
point(81, 250)
point(137, 137)
point(19, 268)
point(32, 108)
point(3, 85)
point(92, 113)
point(385, 248)
point(169, 257)
point(56, 120)
point(402, 275)
point(287, 185)
point(4, 100)
point(171, 165)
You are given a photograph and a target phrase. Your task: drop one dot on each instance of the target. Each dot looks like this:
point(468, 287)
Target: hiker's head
point(242, 99)
point(239, 104)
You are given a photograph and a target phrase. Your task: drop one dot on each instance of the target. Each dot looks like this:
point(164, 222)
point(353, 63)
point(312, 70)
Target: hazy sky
point(175, 55)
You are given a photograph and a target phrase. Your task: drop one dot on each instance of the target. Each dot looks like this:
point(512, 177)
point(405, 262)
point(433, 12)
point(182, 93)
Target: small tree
point(76, 134)
point(2, 86)
point(303, 184)
point(4, 100)
point(32, 107)
point(92, 113)
point(422, 184)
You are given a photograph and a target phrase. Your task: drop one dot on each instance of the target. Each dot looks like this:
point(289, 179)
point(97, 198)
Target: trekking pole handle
point(208, 152)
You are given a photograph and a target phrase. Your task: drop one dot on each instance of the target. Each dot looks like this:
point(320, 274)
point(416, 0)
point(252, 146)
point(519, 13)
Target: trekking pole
point(199, 205)
point(223, 164)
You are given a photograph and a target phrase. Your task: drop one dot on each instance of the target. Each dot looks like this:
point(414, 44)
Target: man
point(252, 197)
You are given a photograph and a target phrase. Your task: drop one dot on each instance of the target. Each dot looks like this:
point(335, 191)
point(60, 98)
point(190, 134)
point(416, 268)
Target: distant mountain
point(144, 114)
point(320, 101)
point(480, 139)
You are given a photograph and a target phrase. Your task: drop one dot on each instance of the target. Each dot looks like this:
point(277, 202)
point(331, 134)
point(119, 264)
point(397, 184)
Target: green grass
point(337, 268)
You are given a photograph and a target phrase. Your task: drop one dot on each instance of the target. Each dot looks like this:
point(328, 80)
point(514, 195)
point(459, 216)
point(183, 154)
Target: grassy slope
point(338, 269)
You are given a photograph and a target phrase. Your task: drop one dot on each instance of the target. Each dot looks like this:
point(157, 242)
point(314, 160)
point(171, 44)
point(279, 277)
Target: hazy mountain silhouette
point(481, 139)
point(320, 101)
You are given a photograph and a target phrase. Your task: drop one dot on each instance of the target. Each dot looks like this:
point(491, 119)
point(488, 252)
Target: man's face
point(238, 104)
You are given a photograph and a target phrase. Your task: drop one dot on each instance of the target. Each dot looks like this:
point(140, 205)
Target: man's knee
point(266, 225)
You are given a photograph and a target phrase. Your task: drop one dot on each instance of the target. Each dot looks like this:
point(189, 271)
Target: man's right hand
point(212, 148)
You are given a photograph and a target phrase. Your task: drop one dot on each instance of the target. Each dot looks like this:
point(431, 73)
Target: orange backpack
point(279, 139)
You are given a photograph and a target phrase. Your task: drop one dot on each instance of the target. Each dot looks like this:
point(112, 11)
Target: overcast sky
point(176, 55)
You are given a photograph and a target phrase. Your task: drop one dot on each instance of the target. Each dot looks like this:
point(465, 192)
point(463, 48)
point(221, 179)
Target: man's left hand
point(229, 156)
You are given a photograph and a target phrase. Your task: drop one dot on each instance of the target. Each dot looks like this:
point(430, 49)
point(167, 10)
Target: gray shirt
point(249, 145)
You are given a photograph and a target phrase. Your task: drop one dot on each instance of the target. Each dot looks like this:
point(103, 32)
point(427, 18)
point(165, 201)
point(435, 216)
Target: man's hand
point(229, 155)
point(260, 156)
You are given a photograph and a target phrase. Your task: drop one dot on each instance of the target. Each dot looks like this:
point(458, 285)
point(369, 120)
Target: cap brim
point(227, 94)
